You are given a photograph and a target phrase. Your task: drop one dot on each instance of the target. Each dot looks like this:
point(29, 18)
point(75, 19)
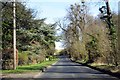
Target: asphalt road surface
point(65, 69)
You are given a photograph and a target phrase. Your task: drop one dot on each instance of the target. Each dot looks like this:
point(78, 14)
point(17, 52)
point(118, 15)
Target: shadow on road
point(73, 72)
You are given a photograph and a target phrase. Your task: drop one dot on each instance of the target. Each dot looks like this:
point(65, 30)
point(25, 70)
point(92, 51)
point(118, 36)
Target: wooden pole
point(108, 13)
point(14, 34)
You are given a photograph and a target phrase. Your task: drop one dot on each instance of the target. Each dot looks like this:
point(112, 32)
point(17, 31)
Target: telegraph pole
point(14, 33)
point(108, 13)
point(112, 33)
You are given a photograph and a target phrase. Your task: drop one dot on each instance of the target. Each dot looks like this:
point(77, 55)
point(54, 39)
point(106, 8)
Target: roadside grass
point(30, 68)
point(109, 69)
point(79, 61)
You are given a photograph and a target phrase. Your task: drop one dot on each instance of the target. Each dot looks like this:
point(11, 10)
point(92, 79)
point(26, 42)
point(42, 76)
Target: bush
point(22, 58)
point(40, 58)
point(7, 64)
point(50, 58)
point(7, 59)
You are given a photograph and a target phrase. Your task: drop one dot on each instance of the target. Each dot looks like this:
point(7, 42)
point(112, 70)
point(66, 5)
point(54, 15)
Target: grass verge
point(29, 68)
point(108, 69)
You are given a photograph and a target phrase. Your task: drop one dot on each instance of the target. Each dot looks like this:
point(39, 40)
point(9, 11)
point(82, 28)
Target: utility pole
point(112, 32)
point(113, 41)
point(14, 33)
point(108, 13)
point(105, 10)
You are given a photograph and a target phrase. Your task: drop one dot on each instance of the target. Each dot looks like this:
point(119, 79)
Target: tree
point(112, 33)
point(35, 38)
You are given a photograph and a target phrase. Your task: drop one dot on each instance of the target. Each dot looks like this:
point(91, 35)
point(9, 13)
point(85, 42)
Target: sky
point(57, 9)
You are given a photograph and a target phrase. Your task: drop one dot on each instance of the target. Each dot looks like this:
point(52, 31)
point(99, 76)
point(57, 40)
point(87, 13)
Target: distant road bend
point(65, 69)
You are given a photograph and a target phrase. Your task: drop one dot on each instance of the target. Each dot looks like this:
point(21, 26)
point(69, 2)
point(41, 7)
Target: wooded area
point(91, 40)
point(35, 38)
point(86, 39)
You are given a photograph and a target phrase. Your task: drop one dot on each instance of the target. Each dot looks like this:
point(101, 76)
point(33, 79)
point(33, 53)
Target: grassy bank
point(30, 68)
point(109, 69)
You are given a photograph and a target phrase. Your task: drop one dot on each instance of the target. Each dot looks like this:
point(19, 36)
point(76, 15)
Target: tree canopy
point(35, 38)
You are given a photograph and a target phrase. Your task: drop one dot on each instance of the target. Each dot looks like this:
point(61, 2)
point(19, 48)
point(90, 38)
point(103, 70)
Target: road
point(66, 69)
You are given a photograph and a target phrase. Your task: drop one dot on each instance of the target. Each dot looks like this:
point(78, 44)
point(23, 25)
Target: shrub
point(41, 58)
point(50, 58)
point(7, 64)
point(23, 58)
point(7, 59)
